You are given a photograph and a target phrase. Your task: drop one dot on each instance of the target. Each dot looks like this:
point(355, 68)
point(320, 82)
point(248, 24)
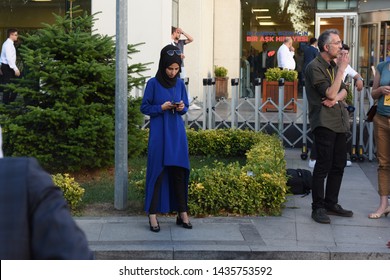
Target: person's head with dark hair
point(169, 56)
point(11, 31)
point(173, 29)
point(345, 47)
point(12, 34)
point(312, 40)
point(326, 37)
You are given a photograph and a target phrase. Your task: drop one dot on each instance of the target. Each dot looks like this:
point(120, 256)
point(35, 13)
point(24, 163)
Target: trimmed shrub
point(258, 188)
point(72, 191)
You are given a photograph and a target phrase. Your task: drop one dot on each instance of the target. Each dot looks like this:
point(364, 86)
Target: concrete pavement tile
point(133, 232)
point(361, 235)
point(211, 247)
point(208, 232)
point(280, 243)
point(91, 230)
point(315, 243)
point(277, 230)
point(315, 232)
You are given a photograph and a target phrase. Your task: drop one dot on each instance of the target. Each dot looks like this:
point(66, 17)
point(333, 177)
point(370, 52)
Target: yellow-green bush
point(274, 74)
point(72, 191)
point(221, 142)
point(258, 188)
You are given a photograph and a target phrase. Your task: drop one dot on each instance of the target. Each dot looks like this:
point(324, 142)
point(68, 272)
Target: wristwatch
point(360, 78)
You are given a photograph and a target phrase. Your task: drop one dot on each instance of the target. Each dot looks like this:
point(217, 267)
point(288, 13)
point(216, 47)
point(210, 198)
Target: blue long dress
point(167, 144)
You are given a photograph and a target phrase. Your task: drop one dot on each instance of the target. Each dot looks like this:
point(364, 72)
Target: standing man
point(286, 55)
point(350, 72)
point(310, 52)
point(264, 61)
point(329, 122)
point(8, 64)
point(177, 42)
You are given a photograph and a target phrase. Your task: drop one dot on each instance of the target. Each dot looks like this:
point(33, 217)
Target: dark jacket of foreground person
point(35, 222)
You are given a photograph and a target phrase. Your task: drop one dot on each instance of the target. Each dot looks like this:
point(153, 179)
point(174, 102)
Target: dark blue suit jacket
point(35, 222)
point(309, 54)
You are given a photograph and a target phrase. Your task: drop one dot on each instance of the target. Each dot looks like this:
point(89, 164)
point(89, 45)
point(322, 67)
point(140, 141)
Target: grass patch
point(99, 186)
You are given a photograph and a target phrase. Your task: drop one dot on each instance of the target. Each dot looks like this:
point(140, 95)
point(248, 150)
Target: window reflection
point(27, 15)
point(265, 25)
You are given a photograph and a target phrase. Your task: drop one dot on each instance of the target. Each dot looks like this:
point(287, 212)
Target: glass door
point(346, 24)
point(368, 51)
point(384, 53)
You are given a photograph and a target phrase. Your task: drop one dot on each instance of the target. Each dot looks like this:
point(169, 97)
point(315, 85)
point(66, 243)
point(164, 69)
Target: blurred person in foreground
point(381, 93)
point(35, 222)
point(329, 122)
point(168, 167)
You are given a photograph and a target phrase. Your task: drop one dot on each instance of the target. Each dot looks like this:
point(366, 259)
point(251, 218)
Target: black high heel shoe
point(180, 222)
point(154, 228)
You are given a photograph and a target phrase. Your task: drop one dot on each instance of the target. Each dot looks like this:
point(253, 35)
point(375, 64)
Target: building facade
point(226, 32)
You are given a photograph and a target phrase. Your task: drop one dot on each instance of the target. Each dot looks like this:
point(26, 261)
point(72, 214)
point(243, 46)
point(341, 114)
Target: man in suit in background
point(310, 52)
point(264, 61)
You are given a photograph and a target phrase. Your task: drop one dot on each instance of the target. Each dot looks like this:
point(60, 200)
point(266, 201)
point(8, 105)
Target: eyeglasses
point(172, 52)
point(335, 43)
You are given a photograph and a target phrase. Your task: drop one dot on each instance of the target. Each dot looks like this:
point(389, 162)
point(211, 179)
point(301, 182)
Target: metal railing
point(293, 128)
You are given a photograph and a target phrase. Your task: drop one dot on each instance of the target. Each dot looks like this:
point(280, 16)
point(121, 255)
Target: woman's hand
point(180, 107)
point(386, 90)
point(167, 106)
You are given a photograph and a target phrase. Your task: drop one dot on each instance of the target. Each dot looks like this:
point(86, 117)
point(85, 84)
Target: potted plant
point(270, 87)
point(221, 81)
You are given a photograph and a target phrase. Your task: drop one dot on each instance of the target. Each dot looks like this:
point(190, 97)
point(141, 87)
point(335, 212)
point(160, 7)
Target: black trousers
point(177, 178)
point(8, 74)
point(331, 150)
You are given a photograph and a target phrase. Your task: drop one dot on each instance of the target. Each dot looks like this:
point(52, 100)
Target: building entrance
point(346, 23)
point(374, 47)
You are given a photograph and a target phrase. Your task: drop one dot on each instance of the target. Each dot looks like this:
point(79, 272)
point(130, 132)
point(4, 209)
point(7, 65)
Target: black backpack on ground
point(299, 181)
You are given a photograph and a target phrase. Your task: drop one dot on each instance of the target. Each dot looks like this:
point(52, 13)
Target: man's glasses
point(172, 52)
point(335, 43)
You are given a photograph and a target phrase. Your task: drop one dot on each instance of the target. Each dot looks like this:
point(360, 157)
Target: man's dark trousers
point(8, 74)
point(331, 159)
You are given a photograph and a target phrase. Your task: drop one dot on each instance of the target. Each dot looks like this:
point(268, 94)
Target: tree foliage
point(65, 111)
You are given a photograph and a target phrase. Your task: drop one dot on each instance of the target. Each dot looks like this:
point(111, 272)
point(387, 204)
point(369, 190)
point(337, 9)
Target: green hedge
point(257, 188)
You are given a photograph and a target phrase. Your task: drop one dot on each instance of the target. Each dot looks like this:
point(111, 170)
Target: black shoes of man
point(320, 215)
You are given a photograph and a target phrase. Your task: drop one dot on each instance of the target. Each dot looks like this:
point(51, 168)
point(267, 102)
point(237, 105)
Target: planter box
point(271, 90)
point(221, 87)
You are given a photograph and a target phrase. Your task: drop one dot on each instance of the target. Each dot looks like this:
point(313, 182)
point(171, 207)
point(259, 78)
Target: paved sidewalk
point(294, 235)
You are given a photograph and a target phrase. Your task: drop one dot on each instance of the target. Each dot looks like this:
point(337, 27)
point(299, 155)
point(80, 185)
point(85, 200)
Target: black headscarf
point(165, 61)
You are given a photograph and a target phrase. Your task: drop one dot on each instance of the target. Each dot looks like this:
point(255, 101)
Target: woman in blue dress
point(165, 101)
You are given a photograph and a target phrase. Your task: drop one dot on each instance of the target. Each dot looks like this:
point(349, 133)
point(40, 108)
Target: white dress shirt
point(8, 54)
point(285, 58)
point(350, 72)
